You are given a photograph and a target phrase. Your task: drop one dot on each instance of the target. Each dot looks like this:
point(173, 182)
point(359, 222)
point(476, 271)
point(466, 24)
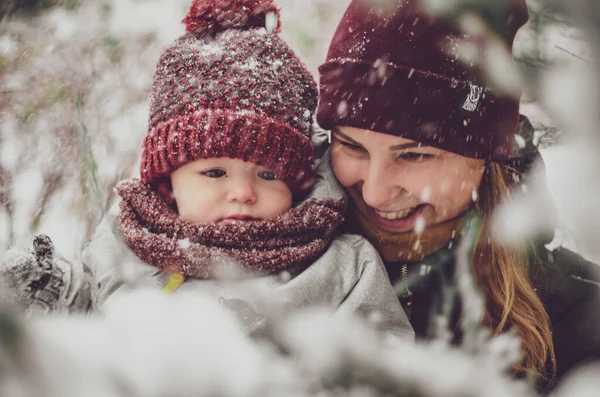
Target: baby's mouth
point(237, 218)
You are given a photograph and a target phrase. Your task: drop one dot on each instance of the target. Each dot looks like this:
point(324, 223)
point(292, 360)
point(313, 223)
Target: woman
point(419, 141)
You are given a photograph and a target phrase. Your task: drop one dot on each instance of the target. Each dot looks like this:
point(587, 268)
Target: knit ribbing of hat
point(222, 133)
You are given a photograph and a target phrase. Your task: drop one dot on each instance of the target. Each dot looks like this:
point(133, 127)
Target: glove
point(32, 278)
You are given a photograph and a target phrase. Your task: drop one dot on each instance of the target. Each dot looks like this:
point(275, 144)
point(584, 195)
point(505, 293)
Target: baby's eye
point(267, 175)
point(214, 173)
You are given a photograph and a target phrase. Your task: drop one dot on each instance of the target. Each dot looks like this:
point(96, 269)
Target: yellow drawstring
point(175, 281)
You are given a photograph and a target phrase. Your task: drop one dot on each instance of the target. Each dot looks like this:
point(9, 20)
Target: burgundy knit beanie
point(231, 88)
point(399, 73)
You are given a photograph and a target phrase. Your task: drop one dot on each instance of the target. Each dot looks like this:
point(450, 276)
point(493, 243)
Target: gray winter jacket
point(349, 276)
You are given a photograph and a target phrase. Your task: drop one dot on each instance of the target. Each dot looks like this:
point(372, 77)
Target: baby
point(227, 183)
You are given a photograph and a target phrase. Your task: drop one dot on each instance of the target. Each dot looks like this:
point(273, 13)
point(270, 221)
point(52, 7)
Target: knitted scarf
point(160, 237)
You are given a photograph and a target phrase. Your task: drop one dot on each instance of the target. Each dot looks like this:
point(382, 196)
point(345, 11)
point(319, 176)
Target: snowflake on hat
point(213, 16)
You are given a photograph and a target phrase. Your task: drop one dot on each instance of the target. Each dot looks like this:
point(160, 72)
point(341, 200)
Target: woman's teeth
point(396, 215)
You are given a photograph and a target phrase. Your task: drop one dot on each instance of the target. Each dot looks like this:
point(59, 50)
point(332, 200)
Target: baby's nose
point(242, 192)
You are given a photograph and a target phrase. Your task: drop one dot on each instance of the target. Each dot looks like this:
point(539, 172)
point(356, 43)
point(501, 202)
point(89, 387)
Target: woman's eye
point(352, 147)
point(412, 156)
point(214, 173)
point(267, 175)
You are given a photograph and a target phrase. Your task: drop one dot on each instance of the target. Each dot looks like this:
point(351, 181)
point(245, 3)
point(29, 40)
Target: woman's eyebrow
point(402, 146)
point(336, 131)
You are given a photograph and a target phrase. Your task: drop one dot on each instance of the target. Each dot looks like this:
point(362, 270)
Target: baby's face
point(225, 191)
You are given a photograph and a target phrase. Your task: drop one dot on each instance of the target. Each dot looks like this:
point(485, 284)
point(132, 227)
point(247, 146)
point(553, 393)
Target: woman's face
point(400, 185)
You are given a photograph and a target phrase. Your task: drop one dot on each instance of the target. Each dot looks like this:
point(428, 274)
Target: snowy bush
point(150, 344)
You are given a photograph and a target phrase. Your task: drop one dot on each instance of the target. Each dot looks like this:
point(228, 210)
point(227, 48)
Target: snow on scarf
point(160, 237)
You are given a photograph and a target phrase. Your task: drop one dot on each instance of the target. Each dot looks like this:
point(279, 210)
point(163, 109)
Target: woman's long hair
point(502, 273)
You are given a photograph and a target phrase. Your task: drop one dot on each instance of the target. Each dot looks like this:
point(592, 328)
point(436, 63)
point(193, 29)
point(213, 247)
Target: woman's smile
point(402, 221)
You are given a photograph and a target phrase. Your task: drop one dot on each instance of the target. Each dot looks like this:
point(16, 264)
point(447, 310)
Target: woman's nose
point(241, 192)
point(380, 188)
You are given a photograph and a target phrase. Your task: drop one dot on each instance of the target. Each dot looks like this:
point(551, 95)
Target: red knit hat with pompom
point(231, 88)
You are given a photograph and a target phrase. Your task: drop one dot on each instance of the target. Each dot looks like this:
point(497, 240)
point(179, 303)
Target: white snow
point(426, 193)
point(520, 141)
point(159, 17)
point(420, 225)
point(185, 243)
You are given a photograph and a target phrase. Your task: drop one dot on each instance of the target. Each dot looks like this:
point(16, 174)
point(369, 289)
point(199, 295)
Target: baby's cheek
point(281, 202)
point(192, 208)
point(186, 210)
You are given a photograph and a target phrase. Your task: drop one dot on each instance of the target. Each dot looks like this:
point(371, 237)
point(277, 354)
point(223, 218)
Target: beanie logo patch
point(473, 98)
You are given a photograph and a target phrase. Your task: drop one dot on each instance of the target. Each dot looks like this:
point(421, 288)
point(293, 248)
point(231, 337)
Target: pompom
point(214, 16)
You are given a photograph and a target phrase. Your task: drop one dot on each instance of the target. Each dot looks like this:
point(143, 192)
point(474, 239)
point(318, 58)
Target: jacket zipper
point(406, 294)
